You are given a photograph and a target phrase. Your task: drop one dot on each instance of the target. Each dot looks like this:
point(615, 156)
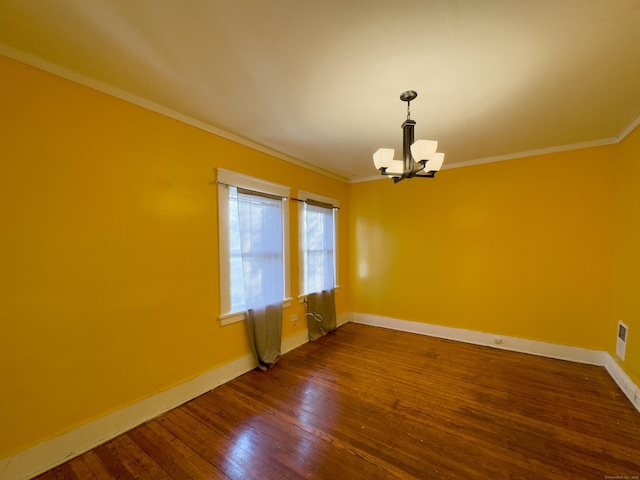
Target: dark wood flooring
point(370, 403)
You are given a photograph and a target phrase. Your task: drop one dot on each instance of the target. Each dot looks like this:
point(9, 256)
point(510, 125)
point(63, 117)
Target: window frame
point(303, 196)
point(226, 178)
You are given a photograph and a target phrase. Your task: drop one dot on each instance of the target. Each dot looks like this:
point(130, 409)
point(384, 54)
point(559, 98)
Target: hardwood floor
point(369, 403)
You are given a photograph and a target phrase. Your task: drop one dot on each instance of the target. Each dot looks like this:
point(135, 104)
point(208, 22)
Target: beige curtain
point(265, 334)
point(260, 220)
point(321, 313)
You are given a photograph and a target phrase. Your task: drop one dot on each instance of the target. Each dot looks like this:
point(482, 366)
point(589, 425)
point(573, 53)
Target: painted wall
point(109, 279)
point(109, 282)
point(626, 305)
point(520, 248)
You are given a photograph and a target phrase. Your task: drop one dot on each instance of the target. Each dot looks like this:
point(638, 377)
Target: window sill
point(229, 318)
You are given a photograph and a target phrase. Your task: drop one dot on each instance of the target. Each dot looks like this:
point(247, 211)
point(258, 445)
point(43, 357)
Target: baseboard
point(51, 453)
point(533, 347)
point(628, 387)
point(544, 349)
point(344, 318)
point(295, 341)
point(48, 454)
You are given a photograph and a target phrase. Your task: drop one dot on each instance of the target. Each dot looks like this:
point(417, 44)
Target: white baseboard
point(48, 454)
point(295, 341)
point(552, 350)
point(533, 347)
point(344, 318)
point(629, 388)
point(51, 453)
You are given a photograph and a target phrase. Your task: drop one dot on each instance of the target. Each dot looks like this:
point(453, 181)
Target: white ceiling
point(319, 80)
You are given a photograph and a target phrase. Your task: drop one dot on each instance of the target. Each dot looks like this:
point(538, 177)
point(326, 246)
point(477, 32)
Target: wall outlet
point(294, 317)
point(497, 340)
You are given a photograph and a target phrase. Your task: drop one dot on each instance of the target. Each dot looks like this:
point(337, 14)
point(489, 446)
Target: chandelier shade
point(395, 168)
point(423, 149)
point(435, 162)
point(420, 157)
point(383, 158)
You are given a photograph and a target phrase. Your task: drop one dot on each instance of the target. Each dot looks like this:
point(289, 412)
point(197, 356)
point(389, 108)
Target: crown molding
point(147, 104)
point(89, 82)
point(533, 153)
point(528, 153)
point(628, 130)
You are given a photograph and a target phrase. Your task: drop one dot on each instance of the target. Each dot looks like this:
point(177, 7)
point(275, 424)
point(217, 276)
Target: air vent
point(621, 343)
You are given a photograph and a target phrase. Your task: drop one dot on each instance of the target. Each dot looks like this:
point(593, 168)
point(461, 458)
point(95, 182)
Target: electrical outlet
point(294, 317)
point(497, 340)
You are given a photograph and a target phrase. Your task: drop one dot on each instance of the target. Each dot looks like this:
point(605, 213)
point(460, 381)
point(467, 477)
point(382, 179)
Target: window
point(318, 233)
point(253, 236)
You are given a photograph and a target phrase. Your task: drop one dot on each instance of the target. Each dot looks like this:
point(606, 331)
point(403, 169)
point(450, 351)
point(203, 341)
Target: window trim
point(304, 196)
point(226, 178)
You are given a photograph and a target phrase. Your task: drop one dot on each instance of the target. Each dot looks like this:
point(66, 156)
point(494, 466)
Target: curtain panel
point(260, 218)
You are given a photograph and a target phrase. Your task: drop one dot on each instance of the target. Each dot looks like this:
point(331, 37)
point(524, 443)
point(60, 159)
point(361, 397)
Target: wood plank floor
point(369, 403)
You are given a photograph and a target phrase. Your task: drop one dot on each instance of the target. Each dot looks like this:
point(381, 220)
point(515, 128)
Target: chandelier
point(420, 159)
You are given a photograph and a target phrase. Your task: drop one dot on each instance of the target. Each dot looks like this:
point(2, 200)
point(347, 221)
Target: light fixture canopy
point(420, 158)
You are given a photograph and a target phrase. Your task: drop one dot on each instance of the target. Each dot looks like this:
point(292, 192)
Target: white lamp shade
point(423, 149)
point(435, 163)
point(395, 169)
point(383, 157)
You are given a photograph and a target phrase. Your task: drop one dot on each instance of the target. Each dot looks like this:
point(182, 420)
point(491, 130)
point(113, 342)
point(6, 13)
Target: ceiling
point(318, 82)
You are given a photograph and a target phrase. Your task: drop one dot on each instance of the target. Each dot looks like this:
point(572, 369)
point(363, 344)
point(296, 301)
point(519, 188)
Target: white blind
point(262, 198)
point(318, 247)
point(257, 249)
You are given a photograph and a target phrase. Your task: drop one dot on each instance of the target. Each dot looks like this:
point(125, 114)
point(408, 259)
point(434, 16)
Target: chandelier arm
point(403, 177)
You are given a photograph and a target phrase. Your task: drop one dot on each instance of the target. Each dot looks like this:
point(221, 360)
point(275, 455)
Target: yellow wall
point(109, 282)
point(520, 248)
point(626, 305)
